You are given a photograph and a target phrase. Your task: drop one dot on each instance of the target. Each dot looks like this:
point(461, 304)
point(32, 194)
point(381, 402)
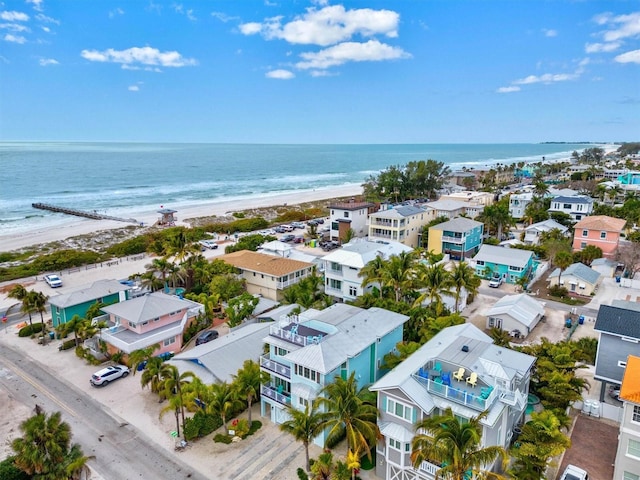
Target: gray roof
point(88, 293)
point(546, 226)
point(576, 199)
point(447, 205)
point(580, 271)
point(458, 224)
point(521, 307)
point(358, 252)
point(482, 357)
point(618, 321)
point(148, 307)
point(402, 211)
point(278, 313)
point(355, 330)
point(503, 256)
point(220, 359)
point(604, 261)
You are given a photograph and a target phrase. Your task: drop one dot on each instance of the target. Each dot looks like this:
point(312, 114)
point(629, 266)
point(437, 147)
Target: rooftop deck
point(297, 334)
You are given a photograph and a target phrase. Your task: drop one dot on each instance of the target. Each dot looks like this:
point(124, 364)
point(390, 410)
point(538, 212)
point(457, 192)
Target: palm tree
point(463, 276)
point(398, 273)
point(456, 446)
point(563, 260)
point(304, 425)
point(223, 401)
point(346, 411)
point(247, 383)
point(151, 281)
point(173, 382)
point(141, 356)
point(436, 281)
point(25, 296)
point(45, 450)
point(74, 325)
point(39, 302)
point(160, 266)
point(372, 272)
point(152, 375)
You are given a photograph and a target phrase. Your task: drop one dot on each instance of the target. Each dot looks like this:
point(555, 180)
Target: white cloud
point(622, 26)
point(510, 89)
point(629, 57)
point(327, 26)
point(14, 16)
point(549, 32)
point(601, 47)
point(371, 51)
point(44, 19)
point(14, 38)
point(45, 62)
point(134, 88)
point(14, 27)
point(224, 18)
point(37, 4)
point(280, 74)
point(116, 11)
point(546, 78)
point(179, 8)
point(46, 29)
point(322, 73)
point(139, 55)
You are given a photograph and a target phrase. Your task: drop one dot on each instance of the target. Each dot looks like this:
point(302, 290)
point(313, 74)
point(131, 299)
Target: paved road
point(120, 450)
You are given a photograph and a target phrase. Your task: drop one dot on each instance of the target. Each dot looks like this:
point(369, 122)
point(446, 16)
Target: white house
point(516, 314)
point(518, 203)
point(577, 207)
point(342, 267)
point(532, 232)
point(347, 216)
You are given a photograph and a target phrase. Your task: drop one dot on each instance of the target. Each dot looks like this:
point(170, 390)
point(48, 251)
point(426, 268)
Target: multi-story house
point(511, 264)
point(308, 351)
point(475, 201)
point(619, 329)
point(445, 208)
point(267, 275)
point(576, 207)
point(147, 320)
point(349, 216)
point(532, 232)
point(518, 203)
point(460, 238)
point(342, 267)
point(460, 368)
point(600, 231)
point(67, 305)
point(401, 224)
point(627, 463)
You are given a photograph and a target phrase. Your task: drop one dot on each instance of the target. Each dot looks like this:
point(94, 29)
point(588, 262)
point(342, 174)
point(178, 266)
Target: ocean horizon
point(122, 179)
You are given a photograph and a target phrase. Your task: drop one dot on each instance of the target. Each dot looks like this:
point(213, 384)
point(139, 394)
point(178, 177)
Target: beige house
point(471, 197)
point(627, 464)
point(578, 279)
point(267, 275)
point(445, 208)
point(401, 224)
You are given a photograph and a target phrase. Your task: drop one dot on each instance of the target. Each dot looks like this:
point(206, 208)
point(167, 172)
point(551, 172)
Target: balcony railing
point(379, 234)
point(468, 399)
point(294, 338)
point(429, 468)
point(272, 393)
point(447, 238)
point(275, 367)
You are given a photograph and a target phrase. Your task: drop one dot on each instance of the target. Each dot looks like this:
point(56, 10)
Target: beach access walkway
point(81, 213)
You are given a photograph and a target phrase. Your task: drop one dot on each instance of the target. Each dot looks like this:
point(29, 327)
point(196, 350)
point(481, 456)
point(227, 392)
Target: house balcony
point(456, 240)
point(383, 223)
point(429, 468)
point(297, 334)
point(334, 292)
point(272, 366)
point(275, 393)
point(381, 234)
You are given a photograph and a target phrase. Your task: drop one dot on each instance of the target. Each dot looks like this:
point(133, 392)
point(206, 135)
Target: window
point(603, 234)
point(630, 476)
point(622, 364)
point(399, 409)
point(353, 291)
point(480, 262)
point(145, 323)
point(346, 214)
point(333, 283)
point(303, 402)
point(334, 226)
point(567, 206)
point(585, 233)
point(636, 414)
point(583, 244)
point(633, 448)
point(169, 341)
point(307, 373)
point(157, 319)
point(393, 443)
point(281, 352)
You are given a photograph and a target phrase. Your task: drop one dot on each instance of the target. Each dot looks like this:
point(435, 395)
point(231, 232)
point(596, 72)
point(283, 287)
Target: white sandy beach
point(82, 226)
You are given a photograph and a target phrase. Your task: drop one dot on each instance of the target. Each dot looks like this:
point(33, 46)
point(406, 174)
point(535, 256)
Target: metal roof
point(358, 253)
point(521, 307)
point(88, 293)
point(547, 225)
point(148, 307)
point(503, 256)
point(447, 205)
point(458, 224)
point(576, 199)
point(403, 211)
point(580, 271)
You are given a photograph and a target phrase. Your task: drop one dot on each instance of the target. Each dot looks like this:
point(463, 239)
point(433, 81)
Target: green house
point(511, 264)
point(65, 306)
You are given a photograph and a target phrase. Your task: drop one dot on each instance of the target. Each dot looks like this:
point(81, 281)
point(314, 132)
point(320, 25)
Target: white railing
point(429, 468)
point(513, 398)
point(446, 238)
point(469, 399)
point(273, 394)
point(275, 367)
point(291, 337)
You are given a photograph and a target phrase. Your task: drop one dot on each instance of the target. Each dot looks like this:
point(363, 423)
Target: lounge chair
point(459, 375)
point(472, 379)
point(446, 379)
point(438, 367)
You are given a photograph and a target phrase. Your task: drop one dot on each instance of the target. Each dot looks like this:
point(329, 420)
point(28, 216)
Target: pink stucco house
point(147, 320)
point(598, 230)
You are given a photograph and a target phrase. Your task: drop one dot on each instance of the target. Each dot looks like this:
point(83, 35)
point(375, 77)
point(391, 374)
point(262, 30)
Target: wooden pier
point(81, 213)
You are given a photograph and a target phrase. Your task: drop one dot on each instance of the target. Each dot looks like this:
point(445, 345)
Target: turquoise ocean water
point(121, 179)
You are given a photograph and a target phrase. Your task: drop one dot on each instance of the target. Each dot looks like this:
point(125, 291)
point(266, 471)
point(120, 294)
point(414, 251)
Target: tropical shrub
point(241, 427)
point(132, 246)
point(64, 259)
point(9, 471)
point(201, 425)
point(558, 291)
point(222, 438)
point(67, 344)
point(302, 475)
point(29, 330)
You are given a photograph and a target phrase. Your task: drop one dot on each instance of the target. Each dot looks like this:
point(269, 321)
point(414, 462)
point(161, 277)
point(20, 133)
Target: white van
point(209, 244)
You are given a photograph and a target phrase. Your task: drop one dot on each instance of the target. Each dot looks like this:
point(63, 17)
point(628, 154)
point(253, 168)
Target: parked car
point(287, 238)
point(298, 239)
point(288, 228)
point(298, 225)
point(574, 473)
point(495, 281)
point(280, 229)
point(206, 336)
point(53, 281)
point(109, 374)
point(209, 244)
point(614, 392)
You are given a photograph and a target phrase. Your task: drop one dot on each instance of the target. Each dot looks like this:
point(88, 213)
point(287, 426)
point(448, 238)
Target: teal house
point(511, 263)
point(308, 351)
point(460, 238)
point(65, 306)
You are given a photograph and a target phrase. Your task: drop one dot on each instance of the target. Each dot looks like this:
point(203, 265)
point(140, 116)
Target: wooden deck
point(81, 213)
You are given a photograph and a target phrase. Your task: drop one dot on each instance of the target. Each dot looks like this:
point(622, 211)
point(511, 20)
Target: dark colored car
point(206, 336)
point(287, 238)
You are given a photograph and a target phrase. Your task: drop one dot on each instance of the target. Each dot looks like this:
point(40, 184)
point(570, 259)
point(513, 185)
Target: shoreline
point(76, 226)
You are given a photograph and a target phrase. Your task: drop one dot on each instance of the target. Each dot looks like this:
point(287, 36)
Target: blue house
point(460, 238)
point(511, 263)
point(309, 350)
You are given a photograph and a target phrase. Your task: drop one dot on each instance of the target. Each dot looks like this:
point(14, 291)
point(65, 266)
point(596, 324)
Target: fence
point(110, 263)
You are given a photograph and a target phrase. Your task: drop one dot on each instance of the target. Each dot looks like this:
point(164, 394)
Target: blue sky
point(368, 71)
